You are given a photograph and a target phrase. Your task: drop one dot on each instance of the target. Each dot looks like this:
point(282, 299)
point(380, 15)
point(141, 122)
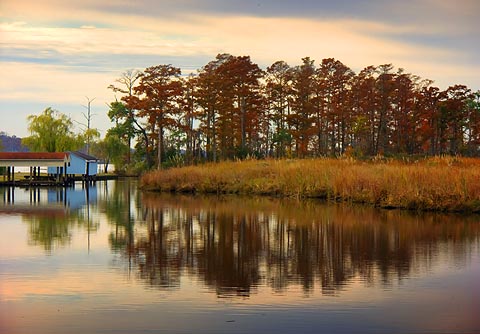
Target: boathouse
point(80, 164)
point(58, 161)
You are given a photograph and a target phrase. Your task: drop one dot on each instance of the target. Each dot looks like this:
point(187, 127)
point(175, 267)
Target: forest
point(232, 109)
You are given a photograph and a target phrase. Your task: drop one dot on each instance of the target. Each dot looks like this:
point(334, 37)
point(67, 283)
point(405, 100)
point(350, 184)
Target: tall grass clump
point(440, 184)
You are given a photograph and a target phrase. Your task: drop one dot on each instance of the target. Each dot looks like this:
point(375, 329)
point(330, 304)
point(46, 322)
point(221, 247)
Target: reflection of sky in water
point(91, 285)
point(71, 197)
point(110, 303)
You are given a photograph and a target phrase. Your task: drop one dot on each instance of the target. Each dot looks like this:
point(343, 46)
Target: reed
point(439, 184)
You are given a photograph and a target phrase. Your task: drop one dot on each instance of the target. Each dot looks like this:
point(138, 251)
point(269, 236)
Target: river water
point(111, 259)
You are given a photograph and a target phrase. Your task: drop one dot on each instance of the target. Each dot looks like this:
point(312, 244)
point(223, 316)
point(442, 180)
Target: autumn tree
point(453, 118)
point(159, 91)
point(429, 132)
point(403, 118)
point(336, 115)
point(232, 109)
point(473, 125)
point(278, 91)
point(242, 108)
point(364, 111)
point(385, 89)
point(301, 118)
point(188, 104)
point(209, 98)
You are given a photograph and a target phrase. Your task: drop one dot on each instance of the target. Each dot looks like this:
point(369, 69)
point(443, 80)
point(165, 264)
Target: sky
point(60, 54)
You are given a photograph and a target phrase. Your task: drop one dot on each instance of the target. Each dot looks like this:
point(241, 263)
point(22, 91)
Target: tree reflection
point(52, 229)
point(48, 231)
point(234, 245)
point(52, 216)
point(117, 208)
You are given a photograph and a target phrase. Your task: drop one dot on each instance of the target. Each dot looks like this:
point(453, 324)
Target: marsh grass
point(439, 184)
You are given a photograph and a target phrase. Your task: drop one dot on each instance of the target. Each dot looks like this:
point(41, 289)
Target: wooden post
point(13, 175)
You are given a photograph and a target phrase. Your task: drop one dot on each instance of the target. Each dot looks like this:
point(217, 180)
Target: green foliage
point(174, 160)
point(51, 131)
point(111, 149)
point(90, 136)
point(123, 118)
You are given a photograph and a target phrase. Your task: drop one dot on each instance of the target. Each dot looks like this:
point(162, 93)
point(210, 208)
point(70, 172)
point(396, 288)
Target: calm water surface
point(115, 260)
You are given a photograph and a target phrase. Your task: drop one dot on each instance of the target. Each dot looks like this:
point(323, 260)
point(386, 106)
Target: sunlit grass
point(441, 183)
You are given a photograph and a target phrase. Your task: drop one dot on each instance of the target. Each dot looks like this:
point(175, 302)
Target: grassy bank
point(440, 184)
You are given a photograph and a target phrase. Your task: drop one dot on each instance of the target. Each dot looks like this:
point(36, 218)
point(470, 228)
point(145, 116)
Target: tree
point(160, 90)
point(208, 96)
point(404, 120)
point(430, 122)
point(233, 109)
point(473, 125)
point(89, 133)
point(126, 114)
point(242, 110)
point(278, 91)
point(335, 80)
point(111, 149)
point(363, 109)
point(301, 119)
point(124, 127)
point(454, 117)
point(385, 88)
point(188, 105)
point(51, 131)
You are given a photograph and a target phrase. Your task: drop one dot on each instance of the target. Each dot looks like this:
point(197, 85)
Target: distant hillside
point(11, 143)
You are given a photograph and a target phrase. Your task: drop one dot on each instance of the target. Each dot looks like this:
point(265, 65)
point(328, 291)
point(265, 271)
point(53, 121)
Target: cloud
point(51, 83)
point(46, 56)
point(193, 42)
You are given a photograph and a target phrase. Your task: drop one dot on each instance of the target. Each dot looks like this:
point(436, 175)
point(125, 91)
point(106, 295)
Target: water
point(115, 260)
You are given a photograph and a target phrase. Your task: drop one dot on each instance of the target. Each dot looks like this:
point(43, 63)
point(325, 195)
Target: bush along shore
point(435, 184)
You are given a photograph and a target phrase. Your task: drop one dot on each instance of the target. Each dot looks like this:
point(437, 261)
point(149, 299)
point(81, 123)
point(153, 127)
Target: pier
point(34, 161)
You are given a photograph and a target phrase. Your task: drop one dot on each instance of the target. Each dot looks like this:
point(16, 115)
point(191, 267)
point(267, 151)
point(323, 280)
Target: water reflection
point(233, 245)
point(51, 212)
point(181, 264)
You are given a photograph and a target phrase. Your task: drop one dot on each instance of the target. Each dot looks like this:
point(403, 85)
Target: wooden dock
point(39, 182)
point(53, 181)
point(63, 169)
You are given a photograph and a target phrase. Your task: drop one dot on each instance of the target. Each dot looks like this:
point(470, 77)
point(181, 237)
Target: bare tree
point(89, 133)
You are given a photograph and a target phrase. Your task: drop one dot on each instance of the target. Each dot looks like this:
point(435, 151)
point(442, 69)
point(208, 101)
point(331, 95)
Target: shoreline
point(442, 184)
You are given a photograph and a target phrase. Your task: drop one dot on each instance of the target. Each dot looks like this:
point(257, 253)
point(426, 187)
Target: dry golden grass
point(441, 184)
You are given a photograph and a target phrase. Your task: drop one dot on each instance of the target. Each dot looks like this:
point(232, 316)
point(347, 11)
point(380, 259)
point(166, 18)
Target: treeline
point(11, 143)
point(231, 108)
